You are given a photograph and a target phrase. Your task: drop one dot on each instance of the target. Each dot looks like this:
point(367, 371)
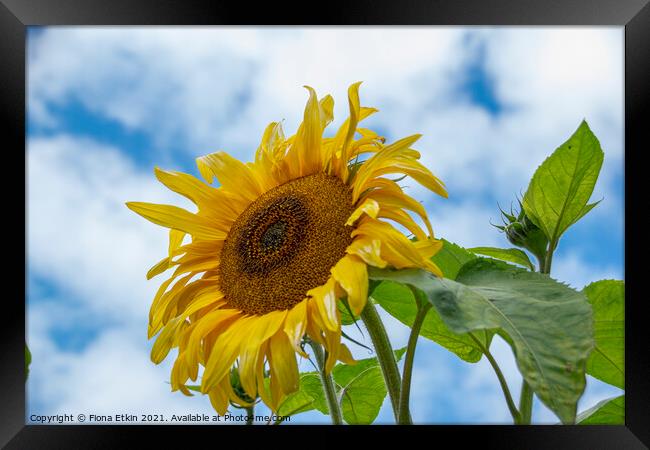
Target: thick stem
point(328, 384)
point(404, 416)
point(516, 417)
point(545, 264)
point(385, 354)
point(250, 415)
point(525, 404)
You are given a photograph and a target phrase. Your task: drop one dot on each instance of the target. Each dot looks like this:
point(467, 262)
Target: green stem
point(404, 416)
point(250, 415)
point(328, 384)
point(546, 268)
point(525, 404)
point(516, 417)
point(385, 354)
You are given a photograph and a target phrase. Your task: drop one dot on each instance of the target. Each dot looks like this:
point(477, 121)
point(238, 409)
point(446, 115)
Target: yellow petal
point(368, 249)
point(160, 301)
point(225, 351)
point(175, 241)
point(261, 330)
point(315, 323)
point(416, 171)
point(272, 135)
point(158, 268)
point(326, 110)
point(368, 206)
point(276, 393)
point(295, 325)
point(351, 273)
point(306, 148)
point(219, 400)
point(164, 341)
point(400, 200)
point(179, 374)
point(333, 346)
point(325, 298)
point(403, 218)
point(396, 248)
point(365, 172)
point(428, 247)
point(213, 322)
point(233, 175)
point(262, 390)
point(284, 365)
point(198, 264)
point(190, 187)
point(345, 134)
point(177, 218)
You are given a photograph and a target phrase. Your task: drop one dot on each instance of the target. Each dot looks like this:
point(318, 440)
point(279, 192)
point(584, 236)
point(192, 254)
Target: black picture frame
point(634, 15)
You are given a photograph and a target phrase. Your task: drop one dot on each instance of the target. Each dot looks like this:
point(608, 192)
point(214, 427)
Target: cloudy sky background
point(106, 105)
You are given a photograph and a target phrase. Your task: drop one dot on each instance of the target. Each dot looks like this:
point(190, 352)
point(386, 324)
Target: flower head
point(264, 260)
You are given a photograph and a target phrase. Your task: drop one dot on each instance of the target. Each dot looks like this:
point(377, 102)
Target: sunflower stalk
point(328, 384)
point(250, 415)
point(405, 392)
point(514, 412)
point(385, 356)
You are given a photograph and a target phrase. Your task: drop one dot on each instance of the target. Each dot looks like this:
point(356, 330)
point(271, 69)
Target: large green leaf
point(607, 412)
point(558, 193)
point(397, 299)
point(309, 396)
point(549, 325)
point(451, 258)
point(607, 360)
point(362, 398)
point(513, 255)
point(361, 389)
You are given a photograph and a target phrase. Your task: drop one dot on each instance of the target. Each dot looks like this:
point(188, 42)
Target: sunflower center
point(285, 243)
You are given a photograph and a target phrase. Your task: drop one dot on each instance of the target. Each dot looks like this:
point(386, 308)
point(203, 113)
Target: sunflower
point(268, 254)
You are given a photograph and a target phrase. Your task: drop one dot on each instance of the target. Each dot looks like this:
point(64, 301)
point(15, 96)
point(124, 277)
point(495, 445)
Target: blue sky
point(106, 105)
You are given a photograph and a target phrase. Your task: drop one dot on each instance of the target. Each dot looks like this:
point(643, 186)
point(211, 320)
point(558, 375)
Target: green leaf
point(344, 373)
point(361, 400)
point(558, 193)
point(549, 325)
point(309, 396)
point(398, 301)
point(451, 258)
point(28, 361)
point(607, 360)
point(361, 389)
point(513, 255)
point(607, 412)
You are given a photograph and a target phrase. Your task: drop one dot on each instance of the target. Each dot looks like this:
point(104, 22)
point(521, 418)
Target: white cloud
point(574, 270)
point(79, 231)
point(112, 375)
point(187, 85)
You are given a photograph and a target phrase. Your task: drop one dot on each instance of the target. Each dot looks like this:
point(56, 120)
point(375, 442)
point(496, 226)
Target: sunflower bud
point(522, 232)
